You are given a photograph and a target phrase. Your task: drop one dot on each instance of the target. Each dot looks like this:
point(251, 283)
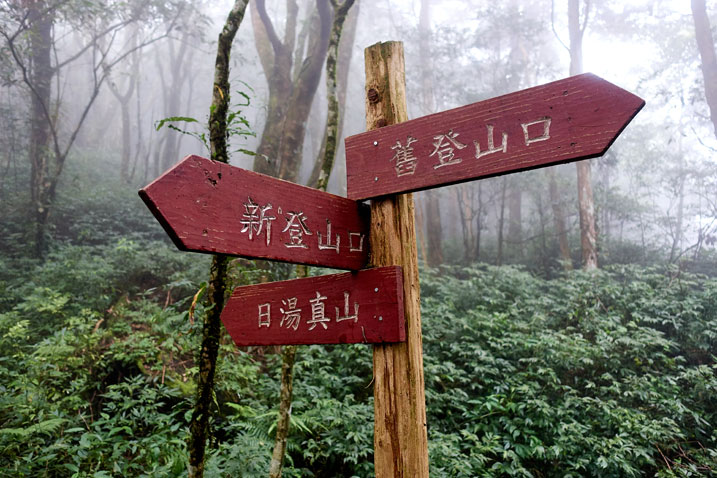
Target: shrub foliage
point(602, 374)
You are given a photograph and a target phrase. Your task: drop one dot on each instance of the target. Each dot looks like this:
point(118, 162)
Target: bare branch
point(92, 42)
point(587, 16)
point(552, 25)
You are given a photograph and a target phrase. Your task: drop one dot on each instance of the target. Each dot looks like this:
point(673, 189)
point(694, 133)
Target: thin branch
point(92, 42)
point(552, 25)
point(98, 84)
point(699, 139)
point(587, 15)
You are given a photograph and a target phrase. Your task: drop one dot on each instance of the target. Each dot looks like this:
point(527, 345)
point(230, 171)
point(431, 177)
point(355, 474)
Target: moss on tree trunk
point(199, 423)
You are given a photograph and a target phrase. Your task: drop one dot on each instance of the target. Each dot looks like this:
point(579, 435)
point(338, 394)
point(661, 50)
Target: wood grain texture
point(348, 308)
point(400, 435)
point(207, 206)
point(585, 113)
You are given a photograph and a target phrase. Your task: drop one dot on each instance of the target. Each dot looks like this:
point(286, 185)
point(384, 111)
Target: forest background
point(537, 362)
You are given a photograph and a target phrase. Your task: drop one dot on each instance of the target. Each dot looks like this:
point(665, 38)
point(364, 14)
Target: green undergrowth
point(608, 374)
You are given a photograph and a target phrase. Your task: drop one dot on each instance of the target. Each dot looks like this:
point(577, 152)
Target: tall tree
point(335, 91)
point(345, 53)
point(324, 165)
point(293, 79)
point(515, 216)
point(706, 47)
point(586, 204)
point(217, 288)
point(431, 199)
point(561, 229)
point(123, 97)
point(30, 36)
point(518, 61)
point(174, 80)
point(501, 220)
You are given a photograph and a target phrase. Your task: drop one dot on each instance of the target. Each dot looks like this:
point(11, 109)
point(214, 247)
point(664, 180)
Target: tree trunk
point(177, 58)
point(428, 105)
point(588, 235)
point(515, 219)
point(559, 220)
point(586, 204)
point(400, 433)
point(41, 73)
point(706, 47)
point(325, 164)
point(288, 358)
point(276, 63)
point(124, 98)
point(290, 101)
point(292, 144)
point(479, 222)
point(333, 117)
point(677, 235)
point(501, 221)
point(466, 218)
point(434, 229)
point(421, 228)
point(543, 246)
point(345, 52)
point(217, 290)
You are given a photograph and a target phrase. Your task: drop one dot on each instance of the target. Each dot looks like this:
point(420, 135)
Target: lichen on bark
point(217, 289)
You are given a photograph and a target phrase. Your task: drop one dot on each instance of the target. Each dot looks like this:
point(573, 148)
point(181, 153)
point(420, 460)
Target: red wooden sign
point(207, 206)
point(567, 120)
point(353, 307)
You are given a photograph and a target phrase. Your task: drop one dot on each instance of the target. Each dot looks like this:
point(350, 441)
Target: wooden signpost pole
point(400, 436)
point(207, 206)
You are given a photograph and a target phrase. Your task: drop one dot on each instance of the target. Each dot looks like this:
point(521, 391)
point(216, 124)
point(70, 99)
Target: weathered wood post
point(400, 437)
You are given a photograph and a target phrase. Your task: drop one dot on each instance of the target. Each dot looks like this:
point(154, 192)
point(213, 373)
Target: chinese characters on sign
point(446, 144)
point(206, 206)
point(405, 160)
point(566, 120)
point(257, 220)
point(291, 317)
point(366, 306)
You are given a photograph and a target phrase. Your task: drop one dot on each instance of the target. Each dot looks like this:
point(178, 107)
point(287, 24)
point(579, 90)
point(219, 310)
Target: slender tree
point(217, 288)
point(345, 52)
point(515, 216)
point(706, 47)
point(464, 197)
point(321, 182)
point(586, 204)
point(501, 220)
point(123, 97)
point(175, 80)
point(431, 199)
point(561, 229)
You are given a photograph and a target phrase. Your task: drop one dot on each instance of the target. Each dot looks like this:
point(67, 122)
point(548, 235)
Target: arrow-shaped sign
point(208, 206)
point(567, 120)
point(358, 307)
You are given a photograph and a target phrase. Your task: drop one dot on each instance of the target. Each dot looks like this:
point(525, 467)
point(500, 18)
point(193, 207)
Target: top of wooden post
point(385, 85)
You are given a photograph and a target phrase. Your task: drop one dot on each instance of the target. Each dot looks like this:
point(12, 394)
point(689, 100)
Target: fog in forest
point(118, 74)
point(558, 322)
